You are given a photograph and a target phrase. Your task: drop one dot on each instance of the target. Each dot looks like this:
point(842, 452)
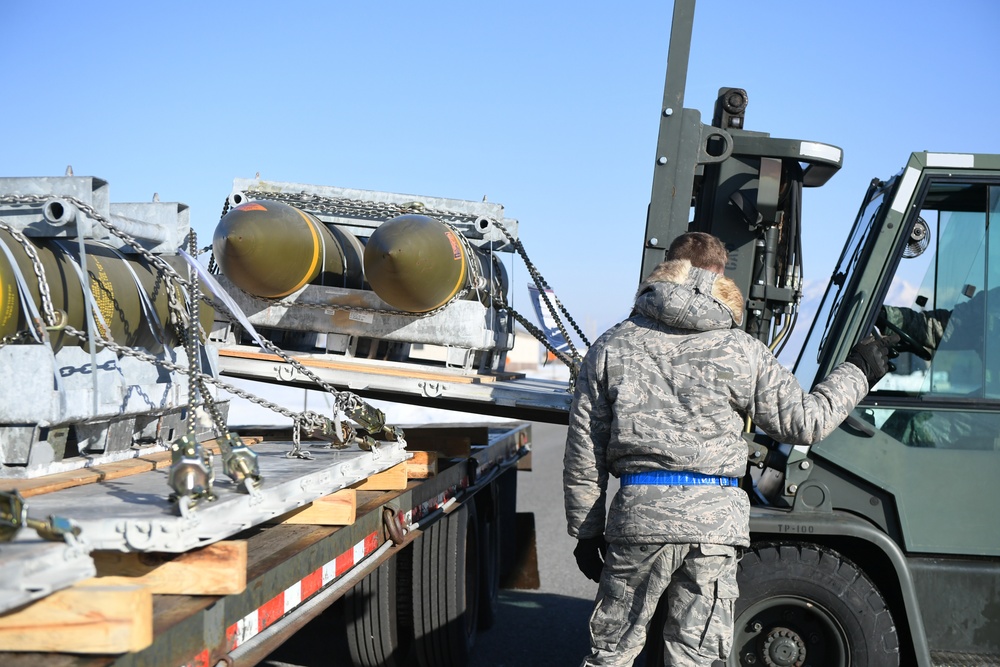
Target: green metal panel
point(946, 499)
point(945, 496)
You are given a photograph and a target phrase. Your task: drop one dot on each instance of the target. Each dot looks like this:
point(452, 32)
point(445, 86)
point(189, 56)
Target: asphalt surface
point(547, 626)
point(544, 627)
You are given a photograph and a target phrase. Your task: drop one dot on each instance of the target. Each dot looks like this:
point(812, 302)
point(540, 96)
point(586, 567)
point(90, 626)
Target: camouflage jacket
point(669, 389)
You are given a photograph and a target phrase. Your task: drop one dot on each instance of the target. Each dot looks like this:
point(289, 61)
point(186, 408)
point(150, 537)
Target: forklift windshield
point(944, 300)
point(844, 275)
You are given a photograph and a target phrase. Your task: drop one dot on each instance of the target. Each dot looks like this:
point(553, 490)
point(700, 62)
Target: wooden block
point(447, 446)
point(87, 618)
point(393, 479)
point(448, 441)
point(336, 509)
point(422, 465)
point(102, 473)
point(524, 463)
point(217, 569)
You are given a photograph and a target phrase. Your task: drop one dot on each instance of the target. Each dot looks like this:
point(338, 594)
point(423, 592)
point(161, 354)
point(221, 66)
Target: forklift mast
point(745, 188)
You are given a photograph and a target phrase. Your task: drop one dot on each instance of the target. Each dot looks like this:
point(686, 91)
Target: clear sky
point(548, 108)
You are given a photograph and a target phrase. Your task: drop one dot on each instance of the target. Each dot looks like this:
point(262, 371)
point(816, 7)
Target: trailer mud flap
point(523, 573)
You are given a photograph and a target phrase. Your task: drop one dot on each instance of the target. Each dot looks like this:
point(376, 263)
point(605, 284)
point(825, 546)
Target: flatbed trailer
point(294, 569)
point(119, 544)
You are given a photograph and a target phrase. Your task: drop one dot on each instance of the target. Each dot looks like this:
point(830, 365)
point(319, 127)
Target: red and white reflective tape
point(440, 500)
point(281, 604)
point(200, 660)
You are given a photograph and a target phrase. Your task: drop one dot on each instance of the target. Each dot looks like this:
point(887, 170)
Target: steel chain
point(374, 211)
point(344, 400)
point(192, 335)
point(296, 417)
point(383, 211)
point(48, 310)
point(363, 210)
point(193, 353)
point(14, 338)
point(542, 286)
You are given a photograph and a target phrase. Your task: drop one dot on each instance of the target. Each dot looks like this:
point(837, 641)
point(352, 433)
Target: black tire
point(489, 552)
point(806, 604)
point(446, 589)
point(377, 635)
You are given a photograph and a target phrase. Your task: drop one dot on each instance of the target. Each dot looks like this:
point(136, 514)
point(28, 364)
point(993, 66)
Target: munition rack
point(95, 430)
point(452, 358)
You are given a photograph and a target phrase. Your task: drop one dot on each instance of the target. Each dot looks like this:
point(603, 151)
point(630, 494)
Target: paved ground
point(545, 627)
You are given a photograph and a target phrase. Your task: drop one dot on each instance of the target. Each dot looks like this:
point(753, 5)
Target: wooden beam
point(448, 441)
point(86, 618)
point(336, 509)
point(422, 465)
point(386, 368)
point(393, 479)
point(216, 569)
point(102, 473)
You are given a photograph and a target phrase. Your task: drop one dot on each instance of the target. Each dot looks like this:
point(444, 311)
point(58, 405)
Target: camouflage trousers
point(699, 582)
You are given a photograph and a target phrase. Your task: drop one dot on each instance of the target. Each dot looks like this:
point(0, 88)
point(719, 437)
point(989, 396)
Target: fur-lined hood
point(686, 297)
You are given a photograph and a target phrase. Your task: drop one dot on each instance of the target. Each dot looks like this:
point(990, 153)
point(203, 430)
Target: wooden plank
point(336, 509)
point(422, 465)
point(407, 370)
point(393, 479)
point(50, 483)
point(216, 569)
point(86, 618)
point(102, 473)
point(448, 441)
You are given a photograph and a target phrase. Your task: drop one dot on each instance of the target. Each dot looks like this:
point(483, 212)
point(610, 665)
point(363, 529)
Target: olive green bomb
point(270, 249)
point(129, 297)
point(416, 263)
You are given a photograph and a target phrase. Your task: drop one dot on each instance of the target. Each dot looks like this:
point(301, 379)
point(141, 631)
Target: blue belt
point(679, 478)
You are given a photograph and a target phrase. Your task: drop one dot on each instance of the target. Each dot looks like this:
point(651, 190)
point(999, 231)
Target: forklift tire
point(377, 635)
point(806, 604)
point(446, 589)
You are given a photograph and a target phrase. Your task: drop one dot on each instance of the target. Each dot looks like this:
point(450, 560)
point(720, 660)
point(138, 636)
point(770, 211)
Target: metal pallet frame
point(200, 631)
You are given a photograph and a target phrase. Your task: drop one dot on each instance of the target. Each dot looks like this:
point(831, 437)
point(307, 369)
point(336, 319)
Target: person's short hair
point(702, 250)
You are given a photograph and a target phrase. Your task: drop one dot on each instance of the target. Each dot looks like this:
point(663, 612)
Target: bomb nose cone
point(266, 248)
point(271, 250)
point(235, 242)
point(415, 263)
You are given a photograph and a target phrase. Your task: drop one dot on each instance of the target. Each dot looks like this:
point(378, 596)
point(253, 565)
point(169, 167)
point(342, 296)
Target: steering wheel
point(907, 343)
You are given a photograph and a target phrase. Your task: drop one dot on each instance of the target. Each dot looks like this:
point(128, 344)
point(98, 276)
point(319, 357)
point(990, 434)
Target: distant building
point(527, 354)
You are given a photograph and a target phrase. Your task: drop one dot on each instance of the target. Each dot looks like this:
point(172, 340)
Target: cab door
point(922, 452)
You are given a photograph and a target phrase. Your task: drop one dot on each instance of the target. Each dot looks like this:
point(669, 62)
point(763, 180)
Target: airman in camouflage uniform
point(666, 393)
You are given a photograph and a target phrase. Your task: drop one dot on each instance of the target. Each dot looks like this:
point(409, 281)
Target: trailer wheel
point(446, 589)
point(377, 635)
point(489, 551)
point(806, 604)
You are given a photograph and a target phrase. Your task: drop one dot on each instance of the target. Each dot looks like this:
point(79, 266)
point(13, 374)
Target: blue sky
point(548, 108)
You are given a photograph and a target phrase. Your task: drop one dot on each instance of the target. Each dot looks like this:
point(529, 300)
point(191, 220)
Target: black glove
point(882, 321)
point(589, 554)
point(872, 355)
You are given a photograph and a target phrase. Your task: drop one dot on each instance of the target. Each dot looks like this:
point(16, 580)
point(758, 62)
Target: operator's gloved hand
point(589, 554)
point(882, 321)
point(872, 356)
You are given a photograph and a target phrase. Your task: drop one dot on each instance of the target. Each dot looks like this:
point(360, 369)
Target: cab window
point(944, 302)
